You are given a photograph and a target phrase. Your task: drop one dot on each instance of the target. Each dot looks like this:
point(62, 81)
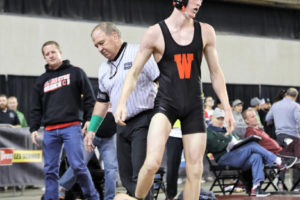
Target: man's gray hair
point(293, 92)
point(108, 28)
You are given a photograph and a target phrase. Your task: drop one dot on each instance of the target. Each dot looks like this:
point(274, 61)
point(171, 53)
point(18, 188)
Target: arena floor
point(35, 194)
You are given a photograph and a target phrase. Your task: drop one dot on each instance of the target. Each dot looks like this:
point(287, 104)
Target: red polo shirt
point(266, 141)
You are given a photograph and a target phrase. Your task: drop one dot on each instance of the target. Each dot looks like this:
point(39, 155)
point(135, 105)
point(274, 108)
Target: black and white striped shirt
point(111, 78)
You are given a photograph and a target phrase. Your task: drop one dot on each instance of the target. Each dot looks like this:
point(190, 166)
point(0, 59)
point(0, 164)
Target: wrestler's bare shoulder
point(207, 28)
point(153, 39)
point(153, 32)
point(208, 33)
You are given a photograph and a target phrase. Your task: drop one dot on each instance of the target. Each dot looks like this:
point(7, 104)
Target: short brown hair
point(244, 114)
point(3, 95)
point(49, 43)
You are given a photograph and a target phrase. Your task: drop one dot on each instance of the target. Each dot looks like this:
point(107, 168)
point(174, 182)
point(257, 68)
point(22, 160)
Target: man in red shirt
point(293, 149)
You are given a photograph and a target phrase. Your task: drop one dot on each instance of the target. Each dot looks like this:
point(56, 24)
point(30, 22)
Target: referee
point(132, 138)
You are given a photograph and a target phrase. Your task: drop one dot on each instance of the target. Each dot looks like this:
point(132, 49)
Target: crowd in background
point(276, 122)
point(278, 136)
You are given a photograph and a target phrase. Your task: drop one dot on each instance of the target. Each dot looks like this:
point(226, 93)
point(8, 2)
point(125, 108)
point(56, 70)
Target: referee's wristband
point(95, 123)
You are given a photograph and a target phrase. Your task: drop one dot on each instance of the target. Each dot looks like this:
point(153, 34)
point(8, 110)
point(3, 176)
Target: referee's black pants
point(131, 150)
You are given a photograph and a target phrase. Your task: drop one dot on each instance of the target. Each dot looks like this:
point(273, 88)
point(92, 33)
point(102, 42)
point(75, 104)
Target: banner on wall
point(21, 163)
point(6, 156)
point(27, 156)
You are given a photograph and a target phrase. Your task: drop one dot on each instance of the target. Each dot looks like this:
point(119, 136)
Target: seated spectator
point(264, 109)
point(219, 105)
point(240, 126)
point(249, 156)
point(7, 116)
point(293, 149)
point(255, 104)
point(13, 105)
point(237, 109)
point(208, 108)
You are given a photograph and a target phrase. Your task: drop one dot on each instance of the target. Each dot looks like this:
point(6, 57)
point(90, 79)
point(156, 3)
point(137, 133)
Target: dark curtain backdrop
point(270, 91)
point(224, 16)
point(21, 87)
point(3, 84)
point(235, 91)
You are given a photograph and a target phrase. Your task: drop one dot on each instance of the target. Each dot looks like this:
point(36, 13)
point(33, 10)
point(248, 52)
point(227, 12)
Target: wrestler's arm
point(216, 74)
point(143, 54)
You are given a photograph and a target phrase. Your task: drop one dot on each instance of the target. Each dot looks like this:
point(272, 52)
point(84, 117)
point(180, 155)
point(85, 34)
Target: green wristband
point(95, 123)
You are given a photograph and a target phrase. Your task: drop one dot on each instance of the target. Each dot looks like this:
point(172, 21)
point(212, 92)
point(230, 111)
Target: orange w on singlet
point(184, 64)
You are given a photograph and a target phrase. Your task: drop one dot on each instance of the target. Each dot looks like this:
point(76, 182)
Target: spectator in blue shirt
point(286, 117)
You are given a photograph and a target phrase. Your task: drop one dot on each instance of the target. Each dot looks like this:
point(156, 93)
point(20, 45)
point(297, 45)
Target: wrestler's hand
point(88, 141)
point(229, 121)
point(120, 115)
point(85, 127)
point(34, 137)
point(228, 133)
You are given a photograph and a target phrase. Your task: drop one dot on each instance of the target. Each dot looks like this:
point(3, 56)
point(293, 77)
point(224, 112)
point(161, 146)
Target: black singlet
point(179, 94)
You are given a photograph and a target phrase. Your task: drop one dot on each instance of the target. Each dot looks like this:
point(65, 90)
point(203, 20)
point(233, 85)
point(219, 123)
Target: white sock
point(256, 185)
point(278, 161)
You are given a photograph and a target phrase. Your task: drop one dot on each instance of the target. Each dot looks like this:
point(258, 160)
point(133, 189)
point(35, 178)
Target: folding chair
point(271, 173)
point(295, 185)
point(158, 183)
point(296, 166)
point(222, 175)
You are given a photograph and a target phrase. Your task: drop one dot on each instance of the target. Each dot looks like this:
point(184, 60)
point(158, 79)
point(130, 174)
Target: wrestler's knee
point(194, 169)
point(152, 165)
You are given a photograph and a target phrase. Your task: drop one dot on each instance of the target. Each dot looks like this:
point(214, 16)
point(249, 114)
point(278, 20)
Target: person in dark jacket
point(56, 104)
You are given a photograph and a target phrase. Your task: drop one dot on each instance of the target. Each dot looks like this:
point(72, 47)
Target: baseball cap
point(255, 101)
point(236, 102)
point(218, 113)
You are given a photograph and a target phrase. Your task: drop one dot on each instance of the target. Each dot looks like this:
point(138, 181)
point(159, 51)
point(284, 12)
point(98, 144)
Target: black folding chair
point(158, 183)
point(296, 166)
point(271, 173)
point(223, 176)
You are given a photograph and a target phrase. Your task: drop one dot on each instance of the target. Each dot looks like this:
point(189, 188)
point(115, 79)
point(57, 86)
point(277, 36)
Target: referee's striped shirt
point(111, 78)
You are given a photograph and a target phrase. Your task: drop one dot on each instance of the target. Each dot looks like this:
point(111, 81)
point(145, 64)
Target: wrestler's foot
point(121, 196)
